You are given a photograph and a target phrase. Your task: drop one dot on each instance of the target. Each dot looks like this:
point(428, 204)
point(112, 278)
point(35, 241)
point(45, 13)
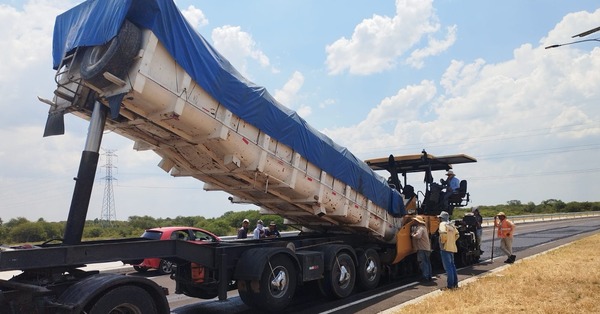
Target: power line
point(543, 151)
point(488, 138)
point(536, 174)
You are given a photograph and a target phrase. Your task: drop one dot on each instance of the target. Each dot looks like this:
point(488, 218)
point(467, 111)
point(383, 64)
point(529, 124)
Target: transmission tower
point(108, 214)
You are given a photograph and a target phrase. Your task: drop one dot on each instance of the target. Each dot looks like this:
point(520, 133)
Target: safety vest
point(505, 227)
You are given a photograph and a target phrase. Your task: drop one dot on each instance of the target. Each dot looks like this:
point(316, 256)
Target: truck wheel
point(368, 269)
point(277, 284)
point(165, 267)
point(339, 281)
point(114, 57)
point(461, 258)
point(245, 292)
point(140, 269)
point(124, 299)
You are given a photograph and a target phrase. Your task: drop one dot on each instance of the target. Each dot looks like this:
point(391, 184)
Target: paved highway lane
point(529, 235)
point(530, 239)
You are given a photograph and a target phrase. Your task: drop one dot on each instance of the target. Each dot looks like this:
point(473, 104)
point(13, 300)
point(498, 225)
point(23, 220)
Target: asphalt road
point(530, 239)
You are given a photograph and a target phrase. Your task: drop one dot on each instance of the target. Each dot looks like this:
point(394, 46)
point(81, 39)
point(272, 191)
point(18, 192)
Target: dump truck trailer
point(137, 68)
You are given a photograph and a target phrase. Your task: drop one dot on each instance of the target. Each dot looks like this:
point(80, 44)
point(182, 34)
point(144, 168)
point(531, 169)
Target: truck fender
point(251, 264)
point(331, 251)
point(92, 288)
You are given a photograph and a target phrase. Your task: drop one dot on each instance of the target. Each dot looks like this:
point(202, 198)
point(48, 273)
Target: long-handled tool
point(493, 239)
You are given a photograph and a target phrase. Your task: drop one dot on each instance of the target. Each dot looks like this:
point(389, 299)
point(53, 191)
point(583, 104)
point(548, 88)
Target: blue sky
point(379, 77)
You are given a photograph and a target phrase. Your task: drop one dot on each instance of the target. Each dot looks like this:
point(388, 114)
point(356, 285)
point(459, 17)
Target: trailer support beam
point(85, 177)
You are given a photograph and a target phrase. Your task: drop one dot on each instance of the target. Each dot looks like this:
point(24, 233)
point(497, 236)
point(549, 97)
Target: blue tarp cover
point(95, 22)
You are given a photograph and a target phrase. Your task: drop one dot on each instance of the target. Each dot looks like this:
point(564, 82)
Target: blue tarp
point(95, 22)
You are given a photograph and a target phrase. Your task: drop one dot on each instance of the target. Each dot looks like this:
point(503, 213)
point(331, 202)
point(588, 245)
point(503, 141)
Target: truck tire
point(277, 285)
point(463, 258)
point(140, 269)
point(124, 299)
point(245, 292)
point(115, 56)
point(368, 269)
point(339, 281)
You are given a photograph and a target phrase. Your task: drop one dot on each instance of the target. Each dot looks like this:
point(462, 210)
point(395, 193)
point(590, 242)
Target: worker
point(243, 231)
point(271, 231)
point(259, 231)
point(421, 243)
point(506, 231)
point(452, 185)
point(448, 234)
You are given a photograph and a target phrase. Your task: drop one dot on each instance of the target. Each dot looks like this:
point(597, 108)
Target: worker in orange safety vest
point(506, 230)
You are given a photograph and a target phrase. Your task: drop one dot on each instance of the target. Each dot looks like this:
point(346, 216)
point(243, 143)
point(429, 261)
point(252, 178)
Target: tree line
point(20, 230)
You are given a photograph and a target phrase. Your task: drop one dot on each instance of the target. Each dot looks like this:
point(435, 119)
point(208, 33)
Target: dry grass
point(566, 280)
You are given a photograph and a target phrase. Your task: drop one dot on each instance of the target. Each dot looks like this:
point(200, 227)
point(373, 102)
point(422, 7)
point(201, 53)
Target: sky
point(378, 77)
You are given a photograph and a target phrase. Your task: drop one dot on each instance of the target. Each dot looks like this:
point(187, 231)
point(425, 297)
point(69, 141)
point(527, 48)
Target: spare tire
point(115, 56)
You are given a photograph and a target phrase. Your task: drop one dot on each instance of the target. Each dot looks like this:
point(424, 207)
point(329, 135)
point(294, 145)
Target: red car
point(195, 235)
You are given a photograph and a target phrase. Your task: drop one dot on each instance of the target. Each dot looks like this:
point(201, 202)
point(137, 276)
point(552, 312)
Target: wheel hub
point(279, 282)
point(344, 275)
point(371, 268)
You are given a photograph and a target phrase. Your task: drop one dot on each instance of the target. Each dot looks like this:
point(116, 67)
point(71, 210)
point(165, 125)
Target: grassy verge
point(565, 280)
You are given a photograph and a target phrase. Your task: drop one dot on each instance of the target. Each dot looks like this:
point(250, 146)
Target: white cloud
point(434, 47)
point(195, 17)
point(572, 122)
point(390, 123)
point(378, 42)
point(287, 94)
point(26, 32)
point(326, 103)
point(304, 111)
point(572, 24)
point(238, 46)
point(26, 67)
point(537, 110)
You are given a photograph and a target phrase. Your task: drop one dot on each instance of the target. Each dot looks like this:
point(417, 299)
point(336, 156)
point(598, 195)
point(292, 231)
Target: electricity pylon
point(108, 214)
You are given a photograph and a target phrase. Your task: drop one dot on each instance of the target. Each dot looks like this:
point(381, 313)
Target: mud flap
point(55, 124)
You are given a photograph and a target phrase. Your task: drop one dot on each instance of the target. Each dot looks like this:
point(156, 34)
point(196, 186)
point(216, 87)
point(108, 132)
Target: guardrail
point(489, 221)
point(283, 234)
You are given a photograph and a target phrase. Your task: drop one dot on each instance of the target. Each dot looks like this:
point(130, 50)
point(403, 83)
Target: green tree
point(27, 232)
point(530, 207)
point(143, 222)
point(53, 230)
point(218, 227)
point(559, 206)
point(514, 203)
point(16, 221)
point(3, 233)
point(92, 232)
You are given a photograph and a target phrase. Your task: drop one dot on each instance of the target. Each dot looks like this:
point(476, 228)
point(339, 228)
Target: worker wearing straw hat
point(421, 243)
point(506, 231)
